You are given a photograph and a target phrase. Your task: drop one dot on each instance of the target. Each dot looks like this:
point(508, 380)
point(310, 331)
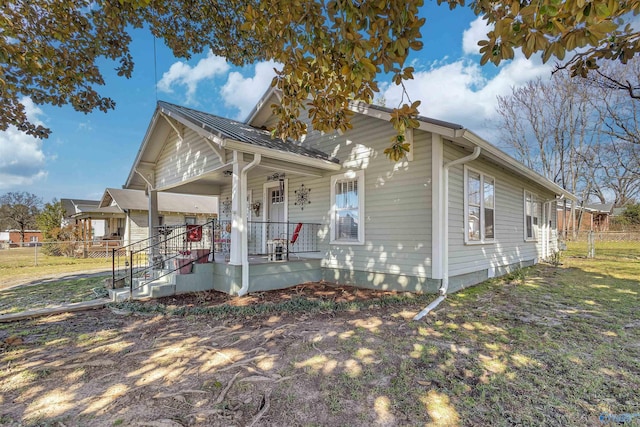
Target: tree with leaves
point(632, 213)
point(330, 52)
point(20, 209)
point(50, 218)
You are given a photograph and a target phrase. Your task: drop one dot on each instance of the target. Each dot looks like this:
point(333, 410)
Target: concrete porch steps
point(200, 279)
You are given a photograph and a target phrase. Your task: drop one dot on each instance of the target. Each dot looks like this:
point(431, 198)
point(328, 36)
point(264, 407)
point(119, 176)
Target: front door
point(275, 212)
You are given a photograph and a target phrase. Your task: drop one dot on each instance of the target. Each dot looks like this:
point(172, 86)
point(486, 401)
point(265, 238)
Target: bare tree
point(549, 127)
point(20, 209)
point(618, 112)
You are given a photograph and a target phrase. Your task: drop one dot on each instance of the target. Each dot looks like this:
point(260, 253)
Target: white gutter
point(243, 210)
point(444, 209)
point(272, 153)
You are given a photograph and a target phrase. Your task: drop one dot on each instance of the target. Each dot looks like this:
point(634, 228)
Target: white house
point(76, 208)
point(126, 212)
point(453, 213)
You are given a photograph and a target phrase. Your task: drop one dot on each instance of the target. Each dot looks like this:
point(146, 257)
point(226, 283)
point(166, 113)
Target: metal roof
point(600, 207)
point(242, 132)
point(424, 119)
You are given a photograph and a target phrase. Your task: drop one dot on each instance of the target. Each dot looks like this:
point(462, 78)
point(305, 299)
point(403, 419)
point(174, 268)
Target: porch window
point(190, 220)
point(479, 207)
point(347, 210)
point(531, 216)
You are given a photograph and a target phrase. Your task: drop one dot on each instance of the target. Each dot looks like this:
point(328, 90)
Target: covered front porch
point(257, 243)
point(191, 258)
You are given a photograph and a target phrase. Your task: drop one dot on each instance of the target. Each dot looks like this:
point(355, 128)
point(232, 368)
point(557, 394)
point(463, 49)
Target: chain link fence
point(35, 253)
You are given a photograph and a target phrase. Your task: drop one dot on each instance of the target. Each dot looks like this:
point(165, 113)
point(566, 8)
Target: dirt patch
point(113, 367)
point(513, 353)
point(313, 291)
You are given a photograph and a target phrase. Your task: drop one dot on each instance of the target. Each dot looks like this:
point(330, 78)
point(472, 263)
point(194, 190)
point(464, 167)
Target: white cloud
point(477, 31)
point(22, 160)
point(462, 91)
point(181, 73)
point(244, 92)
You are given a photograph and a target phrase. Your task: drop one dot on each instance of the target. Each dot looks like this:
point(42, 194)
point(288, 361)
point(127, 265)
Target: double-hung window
point(531, 216)
point(347, 208)
point(479, 215)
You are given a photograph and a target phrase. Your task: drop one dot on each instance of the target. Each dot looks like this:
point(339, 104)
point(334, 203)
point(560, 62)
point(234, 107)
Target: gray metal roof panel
point(242, 132)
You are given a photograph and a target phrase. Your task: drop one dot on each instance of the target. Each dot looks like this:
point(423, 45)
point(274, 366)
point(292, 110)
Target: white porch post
point(153, 223)
point(237, 218)
point(437, 209)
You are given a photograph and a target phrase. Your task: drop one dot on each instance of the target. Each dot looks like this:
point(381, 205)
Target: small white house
point(453, 213)
point(76, 208)
point(126, 212)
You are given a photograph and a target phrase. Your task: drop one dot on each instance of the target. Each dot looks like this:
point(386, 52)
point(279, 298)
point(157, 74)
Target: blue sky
point(87, 153)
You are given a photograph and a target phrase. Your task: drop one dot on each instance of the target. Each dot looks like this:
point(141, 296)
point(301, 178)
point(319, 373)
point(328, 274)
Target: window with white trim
point(531, 216)
point(479, 205)
point(347, 208)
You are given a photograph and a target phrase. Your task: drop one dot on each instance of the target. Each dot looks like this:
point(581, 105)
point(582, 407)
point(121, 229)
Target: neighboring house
point(590, 217)
point(79, 213)
point(31, 237)
point(453, 213)
point(127, 212)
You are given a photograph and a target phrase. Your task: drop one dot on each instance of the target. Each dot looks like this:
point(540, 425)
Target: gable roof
point(127, 200)
point(223, 133)
point(453, 132)
point(76, 206)
point(600, 207)
point(242, 132)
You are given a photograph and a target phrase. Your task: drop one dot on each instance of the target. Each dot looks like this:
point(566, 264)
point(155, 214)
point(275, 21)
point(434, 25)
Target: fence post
point(113, 269)
point(131, 276)
point(591, 246)
point(36, 254)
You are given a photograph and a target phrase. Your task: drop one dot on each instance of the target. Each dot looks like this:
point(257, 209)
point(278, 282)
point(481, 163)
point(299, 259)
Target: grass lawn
point(23, 298)
point(544, 347)
point(19, 265)
point(627, 249)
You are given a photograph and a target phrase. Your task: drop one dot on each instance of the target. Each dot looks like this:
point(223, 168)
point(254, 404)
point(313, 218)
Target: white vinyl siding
point(347, 208)
point(184, 160)
point(397, 219)
point(508, 246)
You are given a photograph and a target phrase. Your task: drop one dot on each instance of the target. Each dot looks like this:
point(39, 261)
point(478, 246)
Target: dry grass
point(18, 265)
point(545, 347)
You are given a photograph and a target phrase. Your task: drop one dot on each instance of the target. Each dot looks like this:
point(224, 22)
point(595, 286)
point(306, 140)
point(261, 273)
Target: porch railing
point(173, 248)
point(169, 249)
point(280, 240)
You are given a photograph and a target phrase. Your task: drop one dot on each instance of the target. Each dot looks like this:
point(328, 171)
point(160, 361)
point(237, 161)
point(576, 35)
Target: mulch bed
point(325, 291)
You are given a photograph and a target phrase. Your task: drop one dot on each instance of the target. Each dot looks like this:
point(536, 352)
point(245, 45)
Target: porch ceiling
point(211, 183)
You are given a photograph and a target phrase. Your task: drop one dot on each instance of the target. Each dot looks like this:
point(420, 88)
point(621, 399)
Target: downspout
point(243, 210)
point(444, 209)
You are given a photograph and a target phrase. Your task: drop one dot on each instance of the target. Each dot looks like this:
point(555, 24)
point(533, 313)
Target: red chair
point(294, 239)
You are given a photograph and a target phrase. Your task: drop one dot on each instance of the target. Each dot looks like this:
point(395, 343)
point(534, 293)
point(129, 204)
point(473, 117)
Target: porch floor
point(261, 259)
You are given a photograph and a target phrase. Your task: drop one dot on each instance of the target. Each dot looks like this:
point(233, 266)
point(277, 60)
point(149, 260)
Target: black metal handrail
point(173, 248)
point(163, 252)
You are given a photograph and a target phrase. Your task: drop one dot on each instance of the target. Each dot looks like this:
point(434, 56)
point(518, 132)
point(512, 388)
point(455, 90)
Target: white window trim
point(535, 201)
point(483, 240)
point(350, 175)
